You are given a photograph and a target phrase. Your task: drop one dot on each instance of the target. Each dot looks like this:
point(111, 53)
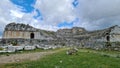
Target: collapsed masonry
point(18, 34)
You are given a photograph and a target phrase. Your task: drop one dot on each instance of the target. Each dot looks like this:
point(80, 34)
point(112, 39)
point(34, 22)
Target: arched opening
point(32, 36)
point(108, 38)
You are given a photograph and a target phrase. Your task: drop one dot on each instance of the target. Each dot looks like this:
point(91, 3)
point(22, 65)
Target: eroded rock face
point(24, 31)
point(76, 36)
point(70, 32)
point(19, 27)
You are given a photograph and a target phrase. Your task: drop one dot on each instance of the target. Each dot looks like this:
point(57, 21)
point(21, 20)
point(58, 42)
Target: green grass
point(1, 48)
point(26, 51)
point(84, 59)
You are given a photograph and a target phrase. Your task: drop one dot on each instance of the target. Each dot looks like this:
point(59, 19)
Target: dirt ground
point(14, 58)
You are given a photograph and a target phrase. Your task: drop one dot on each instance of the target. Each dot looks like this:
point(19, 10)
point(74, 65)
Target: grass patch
point(84, 59)
point(27, 51)
point(1, 48)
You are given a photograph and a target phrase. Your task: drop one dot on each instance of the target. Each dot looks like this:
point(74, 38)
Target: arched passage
point(107, 37)
point(32, 36)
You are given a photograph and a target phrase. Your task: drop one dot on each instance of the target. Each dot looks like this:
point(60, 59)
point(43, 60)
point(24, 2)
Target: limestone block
point(29, 47)
point(10, 48)
point(19, 48)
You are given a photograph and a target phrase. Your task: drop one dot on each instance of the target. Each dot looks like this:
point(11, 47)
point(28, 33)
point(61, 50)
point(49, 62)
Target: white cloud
point(5, 17)
point(98, 14)
point(16, 13)
point(56, 11)
point(93, 14)
point(53, 13)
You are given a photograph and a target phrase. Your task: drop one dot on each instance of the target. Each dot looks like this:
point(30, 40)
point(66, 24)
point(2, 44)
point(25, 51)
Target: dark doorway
point(108, 38)
point(32, 35)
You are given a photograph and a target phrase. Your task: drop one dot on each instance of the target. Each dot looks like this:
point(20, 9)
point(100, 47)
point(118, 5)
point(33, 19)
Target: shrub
point(108, 44)
point(14, 43)
point(106, 55)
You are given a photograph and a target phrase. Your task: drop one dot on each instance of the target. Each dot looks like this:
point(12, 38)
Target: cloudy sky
point(56, 14)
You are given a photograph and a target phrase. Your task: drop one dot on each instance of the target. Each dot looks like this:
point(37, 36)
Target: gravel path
point(14, 58)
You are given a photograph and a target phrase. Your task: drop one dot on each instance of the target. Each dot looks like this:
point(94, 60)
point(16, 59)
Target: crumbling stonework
point(22, 31)
point(76, 36)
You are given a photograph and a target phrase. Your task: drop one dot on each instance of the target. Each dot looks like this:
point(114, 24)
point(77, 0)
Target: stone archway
point(107, 37)
point(32, 36)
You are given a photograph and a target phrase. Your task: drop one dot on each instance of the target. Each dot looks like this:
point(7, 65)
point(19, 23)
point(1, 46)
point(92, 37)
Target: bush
point(106, 55)
point(108, 44)
point(14, 43)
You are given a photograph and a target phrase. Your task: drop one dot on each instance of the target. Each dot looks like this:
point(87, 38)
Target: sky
point(57, 14)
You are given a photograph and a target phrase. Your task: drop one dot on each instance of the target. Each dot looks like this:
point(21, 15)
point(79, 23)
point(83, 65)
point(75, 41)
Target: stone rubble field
point(11, 48)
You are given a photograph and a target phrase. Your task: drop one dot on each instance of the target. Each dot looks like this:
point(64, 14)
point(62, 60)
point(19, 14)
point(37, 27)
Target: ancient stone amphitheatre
point(24, 45)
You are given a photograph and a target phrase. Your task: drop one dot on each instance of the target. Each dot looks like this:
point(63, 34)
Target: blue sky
point(27, 6)
point(59, 14)
point(75, 3)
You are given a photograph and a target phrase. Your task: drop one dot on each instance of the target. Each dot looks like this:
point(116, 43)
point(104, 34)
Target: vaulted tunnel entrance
point(107, 37)
point(32, 36)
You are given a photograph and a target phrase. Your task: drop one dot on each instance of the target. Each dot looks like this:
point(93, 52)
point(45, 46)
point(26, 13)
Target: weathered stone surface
point(29, 47)
point(18, 34)
point(10, 48)
point(23, 31)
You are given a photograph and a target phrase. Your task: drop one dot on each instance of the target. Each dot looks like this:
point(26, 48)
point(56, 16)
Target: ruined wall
point(21, 34)
point(16, 34)
point(75, 36)
point(115, 34)
point(23, 31)
point(24, 35)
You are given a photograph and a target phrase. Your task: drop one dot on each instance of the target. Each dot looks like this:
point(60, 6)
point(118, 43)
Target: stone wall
point(16, 34)
point(22, 34)
point(75, 36)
